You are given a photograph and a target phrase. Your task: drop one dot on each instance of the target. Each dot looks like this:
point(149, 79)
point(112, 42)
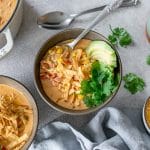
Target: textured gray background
point(19, 62)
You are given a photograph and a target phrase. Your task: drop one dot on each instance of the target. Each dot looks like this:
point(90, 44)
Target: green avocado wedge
point(102, 52)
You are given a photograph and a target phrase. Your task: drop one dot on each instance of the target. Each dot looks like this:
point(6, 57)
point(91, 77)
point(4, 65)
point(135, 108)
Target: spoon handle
point(125, 3)
point(100, 17)
point(89, 11)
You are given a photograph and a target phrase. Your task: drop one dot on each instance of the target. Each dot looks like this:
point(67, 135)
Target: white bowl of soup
point(10, 20)
point(77, 81)
point(18, 115)
point(146, 115)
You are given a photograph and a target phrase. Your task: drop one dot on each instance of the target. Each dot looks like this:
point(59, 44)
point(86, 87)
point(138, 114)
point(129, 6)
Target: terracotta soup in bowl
point(147, 113)
point(16, 118)
point(81, 78)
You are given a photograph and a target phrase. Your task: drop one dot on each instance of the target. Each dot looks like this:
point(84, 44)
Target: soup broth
point(147, 113)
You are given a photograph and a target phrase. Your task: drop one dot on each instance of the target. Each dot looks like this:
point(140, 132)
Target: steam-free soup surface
point(7, 8)
point(61, 73)
point(18, 113)
point(147, 112)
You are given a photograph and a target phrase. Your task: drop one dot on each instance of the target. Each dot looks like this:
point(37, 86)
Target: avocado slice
point(102, 52)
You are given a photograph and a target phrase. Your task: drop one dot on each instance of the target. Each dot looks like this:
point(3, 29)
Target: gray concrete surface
point(19, 62)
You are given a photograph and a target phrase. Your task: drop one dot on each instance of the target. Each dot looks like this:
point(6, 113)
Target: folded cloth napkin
point(94, 136)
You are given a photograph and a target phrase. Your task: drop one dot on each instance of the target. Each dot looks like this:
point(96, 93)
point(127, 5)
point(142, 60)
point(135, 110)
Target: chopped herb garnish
point(133, 83)
point(120, 37)
point(148, 60)
point(101, 85)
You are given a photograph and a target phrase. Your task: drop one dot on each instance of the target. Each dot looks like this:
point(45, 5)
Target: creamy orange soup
point(62, 71)
point(147, 112)
point(7, 8)
point(16, 118)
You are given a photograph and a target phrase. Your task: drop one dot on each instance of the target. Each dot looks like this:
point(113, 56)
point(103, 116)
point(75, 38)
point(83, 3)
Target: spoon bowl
point(55, 20)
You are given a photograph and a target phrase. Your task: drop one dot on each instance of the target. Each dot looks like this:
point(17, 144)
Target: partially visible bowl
point(20, 87)
point(58, 38)
point(11, 28)
point(148, 30)
point(146, 120)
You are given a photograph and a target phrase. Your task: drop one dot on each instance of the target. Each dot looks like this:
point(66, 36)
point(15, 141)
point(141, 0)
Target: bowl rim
point(60, 108)
point(37, 109)
point(143, 116)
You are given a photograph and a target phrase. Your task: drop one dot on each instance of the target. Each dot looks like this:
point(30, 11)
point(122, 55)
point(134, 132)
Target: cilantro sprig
point(133, 83)
point(101, 85)
point(119, 36)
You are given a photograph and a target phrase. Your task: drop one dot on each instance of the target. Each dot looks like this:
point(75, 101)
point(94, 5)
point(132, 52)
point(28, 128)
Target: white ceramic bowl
point(144, 118)
point(20, 87)
point(11, 28)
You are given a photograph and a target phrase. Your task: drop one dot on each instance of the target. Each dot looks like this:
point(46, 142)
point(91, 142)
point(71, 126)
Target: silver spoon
point(59, 20)
point(109, 8)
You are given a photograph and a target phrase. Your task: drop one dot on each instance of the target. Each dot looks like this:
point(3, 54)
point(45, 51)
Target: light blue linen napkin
point(94, 136)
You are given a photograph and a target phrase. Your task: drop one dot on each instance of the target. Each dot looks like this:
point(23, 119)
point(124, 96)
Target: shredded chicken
point(66, 69)
point(13, 119)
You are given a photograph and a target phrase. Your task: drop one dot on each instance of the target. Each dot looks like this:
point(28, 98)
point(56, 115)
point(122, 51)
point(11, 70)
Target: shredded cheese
point(13, 119)
point(66, 69)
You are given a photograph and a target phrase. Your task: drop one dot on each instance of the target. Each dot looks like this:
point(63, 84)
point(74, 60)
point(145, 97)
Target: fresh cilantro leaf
point(101, 85)
point(125, 39)
point(93, 85)
point(119, 36)
point(116, 31)
point(113, 39)
point(85, 86)
point(88, 101)
point(133, 83)
point(148, 60)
